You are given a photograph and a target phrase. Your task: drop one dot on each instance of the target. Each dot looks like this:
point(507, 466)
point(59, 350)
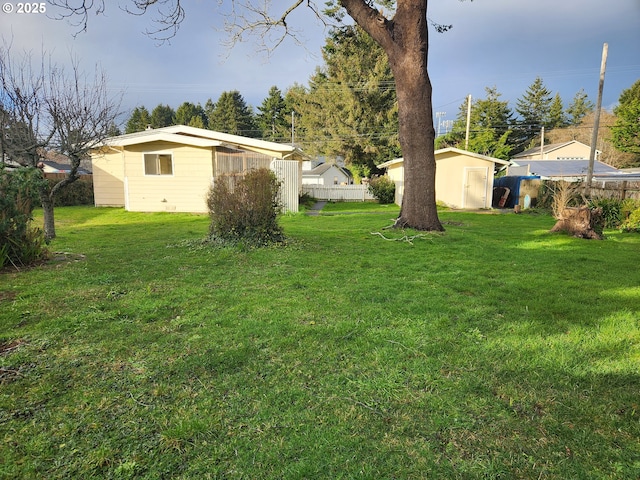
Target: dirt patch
point(7, 296)
point(10, 346)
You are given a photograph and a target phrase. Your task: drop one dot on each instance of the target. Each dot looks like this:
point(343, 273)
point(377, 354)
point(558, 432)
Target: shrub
point(76, 193)
point(20, 244)
point(246, 214)
point(627, 206)
point(611, 210)
point(383, 189)
point(632, 224)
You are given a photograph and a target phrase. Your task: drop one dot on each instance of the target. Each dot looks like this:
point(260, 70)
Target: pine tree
point(232, 115)
point(489, 127)
point(162, 116)
point(533, 107)
point(580, 106)
point(626, 131)
point(190, 114)
point(273, 119)
point(138, 121)
point(557, 118)
point(350, 107)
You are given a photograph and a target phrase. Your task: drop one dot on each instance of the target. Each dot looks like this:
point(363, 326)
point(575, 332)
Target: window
point(158, 164)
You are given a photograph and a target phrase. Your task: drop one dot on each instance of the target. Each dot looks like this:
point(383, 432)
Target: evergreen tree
point(190, 114)
point(489, 126)
point(626, 131)
point(162, 116)
point(273, 119)
point(232, 115)
point(557, 117)
point(580, 106)
point(533, 107)
point(209, 111)
point(138, 121)
point(350, 107)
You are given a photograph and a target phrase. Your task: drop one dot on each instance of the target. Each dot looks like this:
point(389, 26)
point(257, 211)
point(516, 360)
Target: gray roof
point(323, 167)
point(565, 168)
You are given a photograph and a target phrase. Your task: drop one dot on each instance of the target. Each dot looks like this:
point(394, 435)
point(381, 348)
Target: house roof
point(56, 167)
point(564, 168)
point(442, 151)
point(323, 168)
point(199, 137)
point(548, 148)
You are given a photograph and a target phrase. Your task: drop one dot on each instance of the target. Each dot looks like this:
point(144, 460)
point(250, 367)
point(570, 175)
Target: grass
point(494, 350)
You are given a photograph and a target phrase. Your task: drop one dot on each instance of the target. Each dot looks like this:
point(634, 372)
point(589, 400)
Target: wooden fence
point(62, 176)
point(345, 193)
point(620, 189)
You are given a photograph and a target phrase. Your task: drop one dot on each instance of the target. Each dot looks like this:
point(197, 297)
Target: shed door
point(475, 188)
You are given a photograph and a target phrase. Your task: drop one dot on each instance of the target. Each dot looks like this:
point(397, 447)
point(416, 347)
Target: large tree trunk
point(405, 41)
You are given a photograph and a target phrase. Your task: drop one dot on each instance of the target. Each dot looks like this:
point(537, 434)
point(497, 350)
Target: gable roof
point(564, 168)
point(323, 168)
point(549, 148)
point(442, 151)
point(199, 137)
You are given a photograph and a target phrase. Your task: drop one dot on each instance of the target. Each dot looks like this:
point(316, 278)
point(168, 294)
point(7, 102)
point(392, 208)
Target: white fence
point(287, 171)
point(347, 193)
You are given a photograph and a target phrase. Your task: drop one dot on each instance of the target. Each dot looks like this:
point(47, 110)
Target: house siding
point(108, 179)
point(575, 150)
point(183, 191)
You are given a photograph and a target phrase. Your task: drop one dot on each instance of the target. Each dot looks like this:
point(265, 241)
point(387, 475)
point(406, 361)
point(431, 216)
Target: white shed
point(463, 179)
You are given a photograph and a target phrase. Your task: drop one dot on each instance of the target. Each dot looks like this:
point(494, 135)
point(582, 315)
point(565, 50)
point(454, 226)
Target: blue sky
point(502, 43)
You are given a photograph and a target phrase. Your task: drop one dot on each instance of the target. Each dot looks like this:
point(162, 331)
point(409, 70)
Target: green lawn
point(494, 350)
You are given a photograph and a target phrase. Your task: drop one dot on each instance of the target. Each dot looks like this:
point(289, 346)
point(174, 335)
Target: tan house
point(572, 150)
point(172, 168)
point(463, 179)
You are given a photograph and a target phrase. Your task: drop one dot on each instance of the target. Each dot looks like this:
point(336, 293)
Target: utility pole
point(596, 121)
point(466, 137)
point(293, 128)
point(542, 143)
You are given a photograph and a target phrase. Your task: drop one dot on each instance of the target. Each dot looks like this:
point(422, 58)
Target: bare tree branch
point(77, 11)
point(250, 18)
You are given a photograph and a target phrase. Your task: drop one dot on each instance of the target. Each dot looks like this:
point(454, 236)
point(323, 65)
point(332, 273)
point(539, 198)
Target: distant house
point(572, 150)
point(327, 174)
point(173, 168)
point(463, 179)
point(49, 166)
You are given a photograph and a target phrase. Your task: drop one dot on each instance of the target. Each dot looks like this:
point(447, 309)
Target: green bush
point(246, 215)
point(611, 210)
point(383, 189)
point(627, 206)
point(632, 224)
point(76, 193)
point(20, 243)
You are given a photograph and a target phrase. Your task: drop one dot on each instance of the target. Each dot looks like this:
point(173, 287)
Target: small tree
point(247, 213)
point(45, 108)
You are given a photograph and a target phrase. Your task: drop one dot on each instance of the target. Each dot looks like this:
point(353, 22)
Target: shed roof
point(443, 151)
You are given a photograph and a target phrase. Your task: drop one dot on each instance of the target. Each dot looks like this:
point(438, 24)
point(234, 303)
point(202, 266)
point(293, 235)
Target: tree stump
point(581, 222)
